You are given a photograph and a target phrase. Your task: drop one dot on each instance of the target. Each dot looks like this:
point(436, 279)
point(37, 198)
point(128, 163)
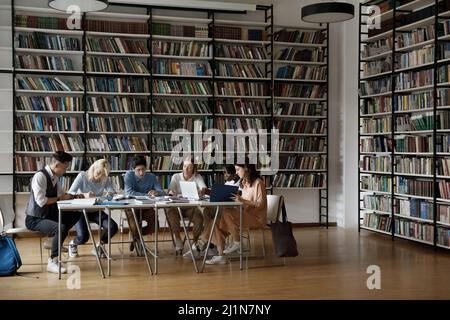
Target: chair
point(22, 232)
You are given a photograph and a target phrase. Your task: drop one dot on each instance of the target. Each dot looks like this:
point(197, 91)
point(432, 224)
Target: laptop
point(222, 193)
point(189, 190)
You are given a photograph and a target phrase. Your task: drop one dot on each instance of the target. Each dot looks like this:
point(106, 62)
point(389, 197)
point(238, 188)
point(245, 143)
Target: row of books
point(118, 162)
point(376, 105)
point(443, 213)
point(443, 236)
point(379, 222)
point(125, 65)
point(376, 144)
point(300, 90)
point(165, 163)
point(43, 62)
point(415, 36)
point(241, 51)
point(163, 66)
point(444, 189)
point(163, 143)
point(27, 163)
point(376, 125)
point(238, 33)
point(378, 86)
point(122, 143)
point(377, 202)
point(181, 87)
point(40, 40)
point(301, 126)
point(303, 162)
point(240, 89)
point(307, 55)
point(298, 109)
point(376, 67)
point(23, 183)
point(240, 70)
point(119, 85)
point(241, 107)
point(177, 30)
point(302, 72)
point(377, 47)
point(170, 124)
point(47, 84)
point(182, 48)
point(111, 26)
point(224, 124)
point(119, 124)
point(41, 22)
point(416, 208)
point(298, 36)
point(35, 122)
point(412, 165)
point(116, 45)
point(117, 104)
point(413, 229)
point(417, 122)
point(414, 79)
point(417, 187)
point(376, 183)
point(313, 180)
point(307, 144)
point(372, 163)
point(191, 106)
point(49, 143)
point(49, 103)
point(415, 57)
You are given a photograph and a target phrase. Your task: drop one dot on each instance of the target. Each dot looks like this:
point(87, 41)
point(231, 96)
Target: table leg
point(109, 241)
point(93, 243)
point(156, 241)
point(188, 239)
point(240, 238)
point(142, 241)
point(59, 244)
point(210, 238)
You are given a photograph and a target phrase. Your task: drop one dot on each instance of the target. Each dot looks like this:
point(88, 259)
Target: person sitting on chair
point(42, 210)
point(189, 173)
point(254, 199)
point(139, 182)
point(94, 182)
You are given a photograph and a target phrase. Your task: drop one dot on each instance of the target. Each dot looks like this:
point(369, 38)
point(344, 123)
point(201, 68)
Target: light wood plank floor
point(332, 265)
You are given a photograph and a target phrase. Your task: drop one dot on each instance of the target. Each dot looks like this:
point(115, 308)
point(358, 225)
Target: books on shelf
point(414, 101)
point(47, 84)
point(40, 40)
point(378, 86)
point(116, 45)
point(110, 26)
point(375, 144)
point(296, 162)
point(241, 107)
point(129, 123)
point(414, 165)
point(120, 143)
point(124, 65)
point(238, 33)
point(35, 122)
point(376, 183)
point(377, 221)
point(416, 187)
point(240, 89)
point(299, 36)
point(241, 51)
point(240, 70)
point(302, 72)
point(377, 47)
point(443, 236)
point(307, 55)
point(416, 122)
point(416, 208)
point(42, 22)
point(181, 68)
point(170, 124)
point(406, 143)
point(378, 164)
point(300, 90)
point(422, 34)
point(178, 30)
point(182, 48)
point(444, 167)
point(413, 229)
point(51, 143)
point(298, 109)
point(117, 104)
point(377, 66)
point(119, 162)
point(415, 58)
point(376, 125)
point(443, 211)
point(181, 87)
point(308, 144)
point(224, 124)
point(162, 143)
point(377, 202)
point(119, 85)
point(301, 126)
point(48, 103)
point(414, 79)
point(312, 180)
point(376, 105)
point(33, 164)
point(43, 62)
point(165, 163)
point(191, 106)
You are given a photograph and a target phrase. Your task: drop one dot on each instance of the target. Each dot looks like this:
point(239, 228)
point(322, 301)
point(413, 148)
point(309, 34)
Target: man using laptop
point(139, 182)
point(189, 173)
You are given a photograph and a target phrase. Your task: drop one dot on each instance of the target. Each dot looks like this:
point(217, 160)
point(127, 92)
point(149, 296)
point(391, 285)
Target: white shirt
point(176, 178)
point(232, 183)
point(39, 186)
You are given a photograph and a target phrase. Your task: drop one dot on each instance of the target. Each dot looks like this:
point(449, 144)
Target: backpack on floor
point(9, 256)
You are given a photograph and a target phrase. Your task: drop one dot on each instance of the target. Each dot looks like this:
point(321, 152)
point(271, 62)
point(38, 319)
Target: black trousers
point(49, 226)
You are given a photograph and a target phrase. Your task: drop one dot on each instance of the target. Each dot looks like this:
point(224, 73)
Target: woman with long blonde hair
point(94, 182)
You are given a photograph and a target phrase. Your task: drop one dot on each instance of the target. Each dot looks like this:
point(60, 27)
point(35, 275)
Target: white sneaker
point(52, 266)
point(73, 249)
point(178, 245)
point(217, 260)
point(234, 247)
point(188, 255)
point(100, 250)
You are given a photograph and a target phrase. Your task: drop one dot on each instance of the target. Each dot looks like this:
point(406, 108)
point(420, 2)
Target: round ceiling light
point(84, 5)
point(328, 12)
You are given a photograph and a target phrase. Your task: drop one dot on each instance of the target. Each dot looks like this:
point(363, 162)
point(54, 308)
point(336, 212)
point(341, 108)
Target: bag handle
point(283, 211)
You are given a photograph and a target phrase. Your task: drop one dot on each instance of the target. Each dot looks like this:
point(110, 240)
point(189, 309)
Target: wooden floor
point(332, 265)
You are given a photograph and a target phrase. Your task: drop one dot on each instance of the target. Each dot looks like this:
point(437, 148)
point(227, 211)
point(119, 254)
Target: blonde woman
point(93, 183)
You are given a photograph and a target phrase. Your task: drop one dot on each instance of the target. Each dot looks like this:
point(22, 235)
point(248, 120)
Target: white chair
point(22, 232)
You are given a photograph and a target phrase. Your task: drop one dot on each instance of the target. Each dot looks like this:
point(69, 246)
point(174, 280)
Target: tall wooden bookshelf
point(404, 101)
point(134, 77)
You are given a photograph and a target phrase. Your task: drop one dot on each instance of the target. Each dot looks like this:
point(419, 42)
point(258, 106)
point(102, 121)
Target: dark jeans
point(82, 230)
point(49, 226)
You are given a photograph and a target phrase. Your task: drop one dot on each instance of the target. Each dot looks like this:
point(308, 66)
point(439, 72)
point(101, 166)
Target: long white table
point(131, 204)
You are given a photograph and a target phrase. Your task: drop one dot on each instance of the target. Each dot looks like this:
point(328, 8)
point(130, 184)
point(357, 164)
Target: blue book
point(413, 207)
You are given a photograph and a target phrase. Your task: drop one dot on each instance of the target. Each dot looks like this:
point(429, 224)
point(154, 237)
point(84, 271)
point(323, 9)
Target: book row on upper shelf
point(405, 143)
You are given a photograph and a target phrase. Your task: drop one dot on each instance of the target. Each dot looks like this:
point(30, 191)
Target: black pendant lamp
point(328, 12)
point(84, 5)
